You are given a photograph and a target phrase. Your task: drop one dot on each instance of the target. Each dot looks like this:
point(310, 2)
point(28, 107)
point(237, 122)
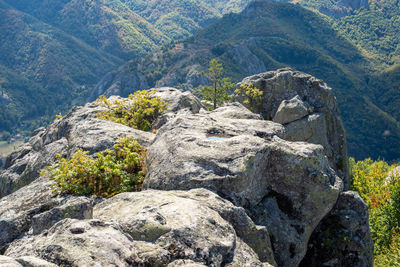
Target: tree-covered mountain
point(375, 31)
point(269, 35)
point(43, 69)
point(52, 53)
point(181, 18)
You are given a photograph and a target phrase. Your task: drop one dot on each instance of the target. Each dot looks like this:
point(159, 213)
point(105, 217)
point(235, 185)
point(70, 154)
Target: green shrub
point(250, 96)
point(139, 111)
point(111, 172)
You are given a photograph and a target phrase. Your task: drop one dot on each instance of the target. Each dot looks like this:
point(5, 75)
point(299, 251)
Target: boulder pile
point(226, 187)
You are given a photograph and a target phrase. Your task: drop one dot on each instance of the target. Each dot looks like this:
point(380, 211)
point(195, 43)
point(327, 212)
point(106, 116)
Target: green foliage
point(179, 19)
point(111, 172)
point(381, 192)
point(221, 86)
point(250, 96)
point(139, 111)
point(375, 31)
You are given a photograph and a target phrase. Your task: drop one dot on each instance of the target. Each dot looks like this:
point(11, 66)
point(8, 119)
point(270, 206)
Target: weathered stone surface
point(72, 207)
point(9, 262)
point(290, 110)
point(327, 130)
point(288, 187)
point(343, 237)
point(36, 206)
point(178, 100)
point(153, 228)
point(34, 262)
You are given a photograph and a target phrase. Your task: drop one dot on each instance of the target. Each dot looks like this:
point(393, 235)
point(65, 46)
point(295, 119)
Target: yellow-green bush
point(382, 195)
point(251, 96)
point(121, 169)
point(139, 111)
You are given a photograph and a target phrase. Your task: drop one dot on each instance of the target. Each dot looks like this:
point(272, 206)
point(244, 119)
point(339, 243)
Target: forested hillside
point(269, 35)
point(43, 69)
point(180, 18)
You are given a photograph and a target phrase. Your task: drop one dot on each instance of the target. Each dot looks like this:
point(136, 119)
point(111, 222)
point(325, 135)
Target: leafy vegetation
point(251, 96)
point(111, 172)
point(381, 191)
point(139, 111)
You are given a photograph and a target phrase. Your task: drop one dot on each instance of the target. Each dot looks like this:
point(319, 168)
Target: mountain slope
point(180, 18)
point(269, 35)
point(46, 63)
point(64, 46)
point(106, 25)
point(375, 31)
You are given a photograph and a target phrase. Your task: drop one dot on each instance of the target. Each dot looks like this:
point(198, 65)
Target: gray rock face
point(323, 126)
point(34, 208)
point(153, 228)
point(288, 187)
point(178, 100)
point(290, 111)
point(248, 61)
point(24, 262)
point(343, 237)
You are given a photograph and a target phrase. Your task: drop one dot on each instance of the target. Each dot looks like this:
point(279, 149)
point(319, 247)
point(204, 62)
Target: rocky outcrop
point(153, 228)
point(223, 188)
point(288, 187)
point(24, 262)
point(34, 208)
point(79, 129)
point(287, 93)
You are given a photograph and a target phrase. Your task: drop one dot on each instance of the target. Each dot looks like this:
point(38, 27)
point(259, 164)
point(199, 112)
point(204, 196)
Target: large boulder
point(343, 237)
point(308, 109)
point(287, 186)
point(154, 228)
point(35, 208)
